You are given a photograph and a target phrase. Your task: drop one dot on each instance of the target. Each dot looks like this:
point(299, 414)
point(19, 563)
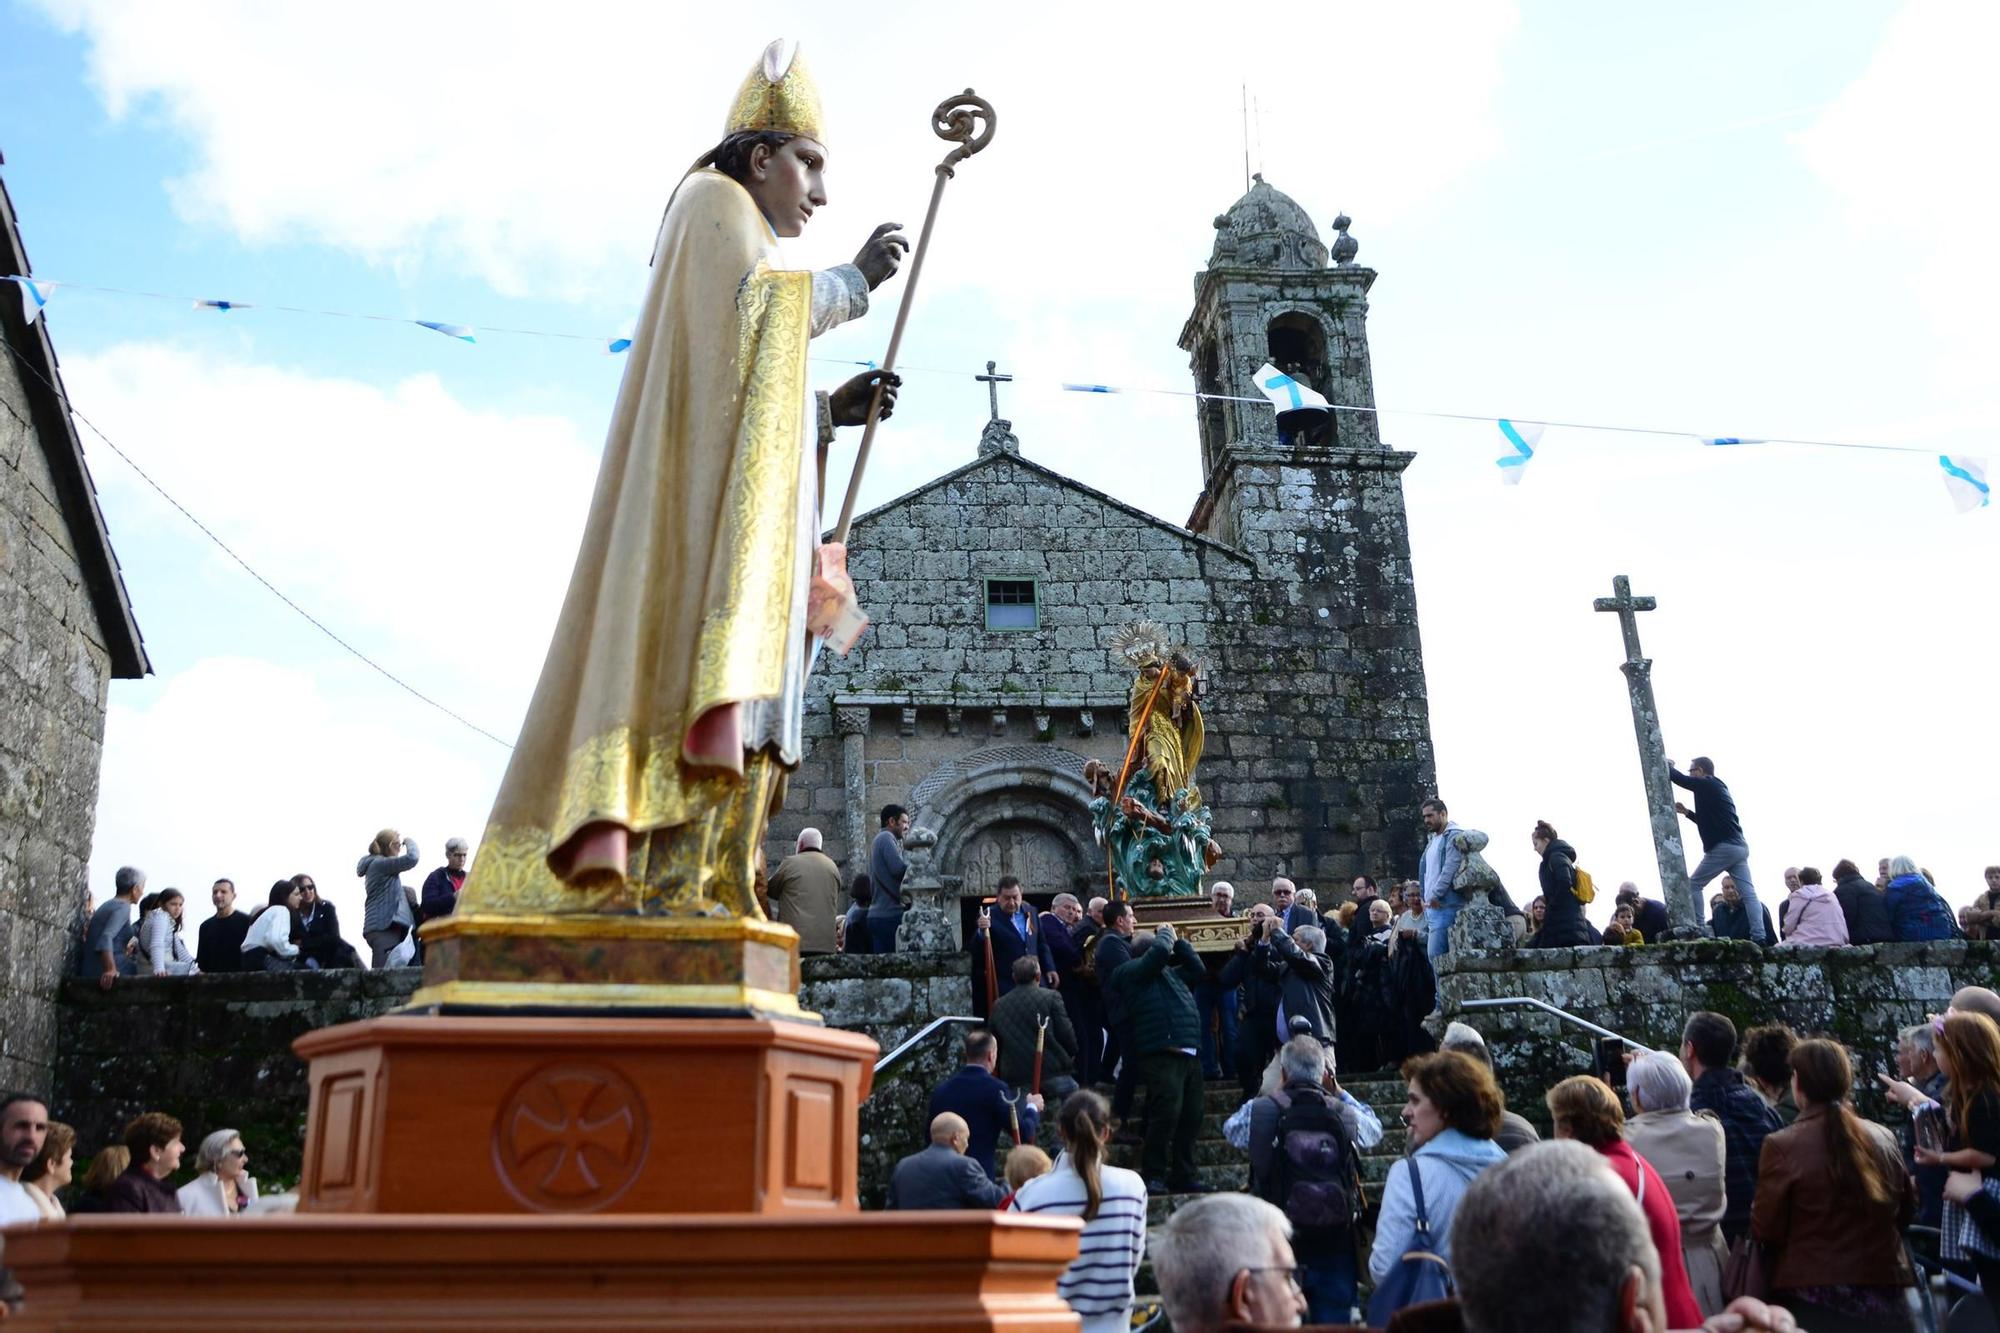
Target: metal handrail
point(901, 1053)
point(1523, 1001)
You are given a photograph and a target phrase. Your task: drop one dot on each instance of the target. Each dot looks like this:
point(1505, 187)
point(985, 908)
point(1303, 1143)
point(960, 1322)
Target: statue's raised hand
point(849, 403)
point(882, 254)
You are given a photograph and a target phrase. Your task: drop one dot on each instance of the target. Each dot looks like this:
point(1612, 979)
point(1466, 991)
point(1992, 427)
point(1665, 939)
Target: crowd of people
point(136, 933)
point(1729, 1185)
point(133, 1175)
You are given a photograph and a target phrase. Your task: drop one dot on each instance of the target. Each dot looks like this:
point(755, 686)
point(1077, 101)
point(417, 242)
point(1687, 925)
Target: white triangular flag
point(34, 296)
point(1287, 394)
point(1965, 478)
point(1523, 439)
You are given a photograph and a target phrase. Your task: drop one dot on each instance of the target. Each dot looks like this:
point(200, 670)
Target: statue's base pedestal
point(564, 1173)
point(416, 1114)
point(1194, 920)
point(492, 963)
point(936, 1272)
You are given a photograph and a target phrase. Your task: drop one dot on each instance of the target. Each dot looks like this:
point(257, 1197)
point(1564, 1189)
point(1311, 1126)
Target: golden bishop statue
point(669, 707)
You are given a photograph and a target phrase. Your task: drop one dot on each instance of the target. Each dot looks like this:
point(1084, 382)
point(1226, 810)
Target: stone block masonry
point(54, 674)
point(1859, 996)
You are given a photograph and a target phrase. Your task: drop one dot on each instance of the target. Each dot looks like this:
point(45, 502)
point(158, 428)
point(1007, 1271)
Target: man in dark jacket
point(1248, 973)
point(1016, 933)
point(1156, 989)
point(1215, 1002)
point(1723, 847)
point(976, 1096)
point(942, 1176)
point(1708, 1045)
point(1298, 964)
point(1065, 928)
point(1017, 1019)
point(322, 943)
point(1114, 951)
point(1730, 918)
point(1863, 905)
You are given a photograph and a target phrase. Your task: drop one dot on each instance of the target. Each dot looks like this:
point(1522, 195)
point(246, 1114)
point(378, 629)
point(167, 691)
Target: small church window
point(1010, 604)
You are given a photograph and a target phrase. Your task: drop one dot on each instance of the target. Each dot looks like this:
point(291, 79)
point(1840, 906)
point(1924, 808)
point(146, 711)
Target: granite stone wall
point(212, 1051)
point(54, 670)
point(1859, 996)
point(216, 1051)
point(890, 998)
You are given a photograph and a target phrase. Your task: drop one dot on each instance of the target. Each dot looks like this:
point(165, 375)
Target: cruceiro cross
point(1683, 906)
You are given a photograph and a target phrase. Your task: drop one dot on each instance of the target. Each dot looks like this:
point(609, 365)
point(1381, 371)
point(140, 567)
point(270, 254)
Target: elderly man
point(1298, 964)
point(1023, 1014)
point(941, 1175)
point(1555, 1208)
point(1916, 1062)
point(104, 955)
point(1068, 930)
point(1303, 1143)
point(806, 893)
point(1215, 1003)
point(441, 886)
point(1227, 1259)
point(1648, 914)
point(1284, 900)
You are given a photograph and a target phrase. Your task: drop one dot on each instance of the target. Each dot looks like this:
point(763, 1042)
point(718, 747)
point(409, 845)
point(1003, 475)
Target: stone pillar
point(852, 725)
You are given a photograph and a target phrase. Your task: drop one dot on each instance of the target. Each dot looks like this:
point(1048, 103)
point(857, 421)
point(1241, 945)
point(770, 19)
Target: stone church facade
point(66, 630)
point(987, 678)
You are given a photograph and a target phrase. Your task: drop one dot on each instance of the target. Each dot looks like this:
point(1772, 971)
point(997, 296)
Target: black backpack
point(1315, 1178)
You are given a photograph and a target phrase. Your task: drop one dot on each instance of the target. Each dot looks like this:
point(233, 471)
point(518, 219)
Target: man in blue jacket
point(1723, 848)
point(1708, 1045)
point(1016, 933)
point(978, 1097)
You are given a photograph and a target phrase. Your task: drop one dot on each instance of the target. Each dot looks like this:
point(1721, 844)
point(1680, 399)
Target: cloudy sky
point(1755, 221)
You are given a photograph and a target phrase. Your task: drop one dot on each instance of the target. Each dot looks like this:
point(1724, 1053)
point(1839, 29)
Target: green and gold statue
point(1149, 814)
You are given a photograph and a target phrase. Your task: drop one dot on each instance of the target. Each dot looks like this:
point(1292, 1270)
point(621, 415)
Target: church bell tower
point(1329, 703)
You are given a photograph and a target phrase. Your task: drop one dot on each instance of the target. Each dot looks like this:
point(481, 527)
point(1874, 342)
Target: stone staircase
point(1221, 1167)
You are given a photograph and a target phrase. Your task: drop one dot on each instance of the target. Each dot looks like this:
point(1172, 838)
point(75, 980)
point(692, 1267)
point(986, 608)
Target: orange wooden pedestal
point(564, 1173)
point(934, 1272)
point(576, 1115)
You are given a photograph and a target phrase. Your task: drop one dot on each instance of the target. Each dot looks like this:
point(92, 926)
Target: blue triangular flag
point(462, 332)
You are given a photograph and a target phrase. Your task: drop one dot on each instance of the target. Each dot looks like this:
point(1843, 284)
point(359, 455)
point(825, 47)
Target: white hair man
point(1215, 1004)
point(440, 892)
point(806, 893)
point(1514, 1132)
point(1227, 1259)
point(1302, 1136)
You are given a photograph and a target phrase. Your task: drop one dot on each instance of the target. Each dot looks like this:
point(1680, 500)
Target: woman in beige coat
point(1687, 1150)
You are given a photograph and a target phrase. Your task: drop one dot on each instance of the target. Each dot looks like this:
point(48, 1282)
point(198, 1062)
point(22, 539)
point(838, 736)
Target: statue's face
point(788, 182)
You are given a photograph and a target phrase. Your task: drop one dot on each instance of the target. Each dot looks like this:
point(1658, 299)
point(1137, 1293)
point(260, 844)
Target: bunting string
point(1965, 477)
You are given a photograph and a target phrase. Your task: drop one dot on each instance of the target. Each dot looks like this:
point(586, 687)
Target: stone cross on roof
point(998, 436)
point(993, 382)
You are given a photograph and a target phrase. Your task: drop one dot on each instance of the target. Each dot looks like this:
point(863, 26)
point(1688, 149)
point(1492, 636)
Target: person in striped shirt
point(1112, 1203)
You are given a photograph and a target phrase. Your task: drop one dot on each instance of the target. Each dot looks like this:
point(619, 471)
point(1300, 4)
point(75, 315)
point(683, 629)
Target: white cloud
point(434, 535)
point(538, 153)
point(1894, 146)
point(243, 770)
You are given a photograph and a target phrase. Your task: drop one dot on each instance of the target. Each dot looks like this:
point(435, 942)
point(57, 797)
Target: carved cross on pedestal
point(1683, 906)
point(993, 382)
